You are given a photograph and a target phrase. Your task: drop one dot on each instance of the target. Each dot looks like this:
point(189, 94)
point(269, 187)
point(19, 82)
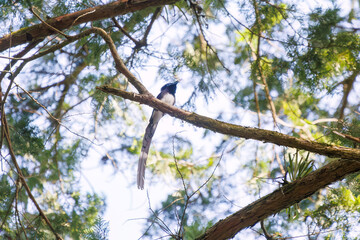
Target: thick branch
point(72, 19)
point(237, 130)
point(119, 64)
point(281, 198)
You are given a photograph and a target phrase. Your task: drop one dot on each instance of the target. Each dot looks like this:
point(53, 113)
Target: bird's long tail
point(149, 133)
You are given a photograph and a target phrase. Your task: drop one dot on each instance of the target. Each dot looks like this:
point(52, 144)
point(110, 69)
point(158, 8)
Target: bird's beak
point(177, 79)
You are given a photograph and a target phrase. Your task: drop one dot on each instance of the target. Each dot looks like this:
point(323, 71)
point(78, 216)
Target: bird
point(167, 95)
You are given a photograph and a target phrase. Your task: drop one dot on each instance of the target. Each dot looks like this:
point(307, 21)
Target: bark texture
point(237, 130)
point(113, 9)
point(281, 198)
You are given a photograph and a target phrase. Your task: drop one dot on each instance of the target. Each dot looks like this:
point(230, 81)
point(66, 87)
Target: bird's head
point(170, 87)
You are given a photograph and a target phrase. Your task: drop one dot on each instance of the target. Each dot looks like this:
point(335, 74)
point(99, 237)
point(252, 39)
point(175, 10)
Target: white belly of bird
point(169, 99)
point(157, 115)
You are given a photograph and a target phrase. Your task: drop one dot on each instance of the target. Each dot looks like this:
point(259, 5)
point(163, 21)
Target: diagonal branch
point(14, 60)
point(282, 198)
point(72, 19)
point(143, 41)
point(237, 130)
point(119, 64)
point(117, 24)
point(48, 25)
point(347, 86)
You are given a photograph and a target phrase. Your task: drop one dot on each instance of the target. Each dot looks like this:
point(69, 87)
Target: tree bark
point(282, 198)
point(113, 9)
point(237, 130)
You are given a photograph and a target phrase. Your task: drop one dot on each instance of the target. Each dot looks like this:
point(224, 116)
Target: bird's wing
point(149, 133)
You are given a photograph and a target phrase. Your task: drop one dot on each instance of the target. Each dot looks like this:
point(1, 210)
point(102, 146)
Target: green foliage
point(304, 56)
point(331, 52)
point(7, 197)
point(103, 102)
point(271, 16)
point(27, 136)
point(99, 231)
point(322, 24)
point(339, 208)
point(196, 229)
point(298, 166)
point(177, 206)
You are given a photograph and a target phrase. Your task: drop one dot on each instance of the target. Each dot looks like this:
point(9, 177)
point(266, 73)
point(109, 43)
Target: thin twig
point(37, 102)
point(188, 197)
point(211, 175)
point(17, 190)
point(161, 223)
point(177, 168)
point(267, 235)
point(83, 15)
point(180, 232)
point(258, 62)
point(347, 136)
point(124, 31)
point(17, 57)
point(257, 102)
point(143, 41)
point(54, 118)
point(197, 17)
point(48, 25)
point(11, 58)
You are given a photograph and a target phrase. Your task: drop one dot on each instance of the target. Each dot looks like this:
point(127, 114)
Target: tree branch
point(14, 60)
point(72, 19)
point(119, 64)
point(117, 24)
point(347, 85)
point(258, 63)
point(237, 130)
point(143, 41)
point(281, 198)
